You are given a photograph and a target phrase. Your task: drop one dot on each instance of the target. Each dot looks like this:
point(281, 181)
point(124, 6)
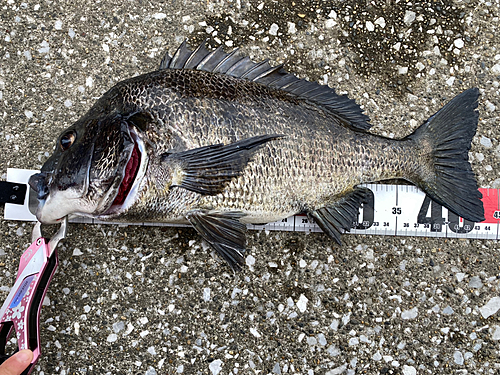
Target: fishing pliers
point(21, 310)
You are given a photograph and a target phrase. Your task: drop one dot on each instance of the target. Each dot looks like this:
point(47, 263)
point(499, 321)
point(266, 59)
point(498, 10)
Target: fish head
point(92, 170)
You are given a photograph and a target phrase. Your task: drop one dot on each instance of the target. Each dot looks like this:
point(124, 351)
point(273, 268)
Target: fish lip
point(115, 209)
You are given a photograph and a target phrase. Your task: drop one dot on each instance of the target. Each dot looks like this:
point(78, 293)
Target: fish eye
point(67, 140)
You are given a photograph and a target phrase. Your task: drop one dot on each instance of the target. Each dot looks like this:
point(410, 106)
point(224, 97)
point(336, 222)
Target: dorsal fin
point(345, 110)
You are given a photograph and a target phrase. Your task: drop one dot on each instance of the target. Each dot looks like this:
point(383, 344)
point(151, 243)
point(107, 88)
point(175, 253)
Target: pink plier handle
point(21, 310)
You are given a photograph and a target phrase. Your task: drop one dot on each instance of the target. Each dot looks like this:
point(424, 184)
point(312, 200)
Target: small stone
point(403, 70)
point(215, 366)
point(490, 106)
point(329, 23)
point(490, 308)
point(380, 21)
point(118, 326)
point(77, 252)
point(450, 81)
point(302, 303)
point(71, 33)
point(377, 356)
point(495, 333)
point(460, 276)
point(409, 17)
point(112, 338)
point(409, 370)
point(338, 370)
point(420, 66)
point(273, 30)
point(486, 142)
point(254, 332)
point(458, 358)
point(206, 294)
point(333, 351)
point(322, 339)
point(277, 369)
point(495, 69)
point(58, 25)
point(292, 29)
point(150, 371)
point(159, 16)
point(475, 282)
point(448, 310)
point(409, 314)
point(250, 260)
point(370, 26)
point(459, 43)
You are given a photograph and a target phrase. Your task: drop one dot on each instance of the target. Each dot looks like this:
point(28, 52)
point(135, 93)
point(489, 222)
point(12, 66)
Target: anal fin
point(340, 215)
point(224, 233)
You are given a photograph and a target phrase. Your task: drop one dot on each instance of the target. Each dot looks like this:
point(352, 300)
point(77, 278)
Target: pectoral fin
point(224, 233)
point(207, 170)
point(340, 215)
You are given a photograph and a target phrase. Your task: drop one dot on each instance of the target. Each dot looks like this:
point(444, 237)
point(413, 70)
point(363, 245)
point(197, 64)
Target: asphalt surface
point(133, 300)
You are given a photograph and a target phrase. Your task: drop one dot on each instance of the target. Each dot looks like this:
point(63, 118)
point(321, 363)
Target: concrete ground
point(133, 300)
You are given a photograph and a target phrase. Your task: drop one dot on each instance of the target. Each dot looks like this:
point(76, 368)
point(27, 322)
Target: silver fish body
point(219, 141)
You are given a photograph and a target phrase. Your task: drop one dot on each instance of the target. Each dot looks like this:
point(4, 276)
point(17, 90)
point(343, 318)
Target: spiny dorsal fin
point(234, 64)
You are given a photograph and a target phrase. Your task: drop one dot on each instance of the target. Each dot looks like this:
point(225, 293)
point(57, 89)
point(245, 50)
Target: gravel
point(135, 300)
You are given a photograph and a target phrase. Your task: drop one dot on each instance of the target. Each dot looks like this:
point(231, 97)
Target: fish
point(219, 141)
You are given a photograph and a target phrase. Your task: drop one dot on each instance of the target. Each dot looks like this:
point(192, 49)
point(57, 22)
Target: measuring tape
point(391, 210)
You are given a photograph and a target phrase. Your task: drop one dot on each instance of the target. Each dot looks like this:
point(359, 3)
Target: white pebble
point(151, 350)
point(215, 366)
point(77, 328)
point(302, 303)
point(338, 370)
point(159, 16)
point(458, 358)
point(409, 314)
point(105, 47)
point(448, 310)
point(490, 308)
point(380, 21)
point(403, 70)
point(409, 370)
point(89, 82)
point(475, 282)
point(250, 260)
point(273, 30)
point(20, 231)
point(71, 33)
point(254, 332)
point(58, 25)
point(370, 26)
point(495, 333)
point(329, 23)
point(485, 141)
point(420, 66)
point(291, 28)
point(206, 294)
point(377, 356)
point(490, 106)
point(118, 326)
point(459, 43)
point(450, 81)
point(77, 252)
point(112, 337)
point(495, 69)
point(86, 308)
point(409, 17)
point(45, 47)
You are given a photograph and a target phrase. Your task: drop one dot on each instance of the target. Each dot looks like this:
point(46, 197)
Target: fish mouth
point(132, 175)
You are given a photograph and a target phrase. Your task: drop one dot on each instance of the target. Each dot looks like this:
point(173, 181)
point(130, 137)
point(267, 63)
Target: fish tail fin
point(445, 173)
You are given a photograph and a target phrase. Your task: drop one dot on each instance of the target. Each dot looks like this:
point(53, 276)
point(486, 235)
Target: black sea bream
point(219, 141)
